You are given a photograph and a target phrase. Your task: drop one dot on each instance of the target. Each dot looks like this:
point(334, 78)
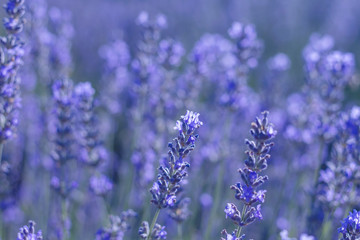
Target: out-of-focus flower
point(28, 232)
point(100, 185)
point(11, 55)
point(117, 228)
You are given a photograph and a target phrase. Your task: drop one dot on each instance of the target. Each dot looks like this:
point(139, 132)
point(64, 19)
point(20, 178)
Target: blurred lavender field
point(150, 120)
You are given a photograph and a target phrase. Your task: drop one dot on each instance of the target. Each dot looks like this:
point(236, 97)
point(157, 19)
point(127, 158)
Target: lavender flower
point(28, 232)
point(170, 53)
point(118, 226)
point(64, 151)
point(100, 185)
point(231, 236)
point(350, 227)
point(174, 171)
point(64, 113)
point(144, 66)
point(60, 44)
point(338, 178)
point(92, 151)
point(117, 56)
point(158, 232)
point(248, 46)
point(180, 210)
point(262, 131)
point(11, 54)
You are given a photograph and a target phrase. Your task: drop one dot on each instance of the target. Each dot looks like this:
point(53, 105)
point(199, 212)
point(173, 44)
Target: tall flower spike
point(248, 46)
point(64, 139)
point(11, 54)
point(92, 151)
point(246, 191)
point(173, 172)
point(28, 232)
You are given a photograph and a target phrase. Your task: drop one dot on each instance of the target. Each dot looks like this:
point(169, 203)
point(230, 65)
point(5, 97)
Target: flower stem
point(64, 214)
point(153, 223)
point(242, 218)
point(1, 151)
point(220, 179)
point(179, 230)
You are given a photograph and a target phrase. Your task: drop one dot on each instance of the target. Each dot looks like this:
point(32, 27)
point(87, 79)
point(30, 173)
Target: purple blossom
point(11, 53)
point(157, 233)
point(100, 185)
point(28, 232)
point(173, 172)
point(117, 228)
point(262, 132)
point(350, 226)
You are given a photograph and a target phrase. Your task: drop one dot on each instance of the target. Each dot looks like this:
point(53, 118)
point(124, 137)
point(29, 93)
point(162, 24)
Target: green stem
point(179, 230)
point(214, 209)
point(64, 214)
point(153, 223)
point(316, 178)
point(1, 151)
point(326, 227)
point(220, 179)
point(238, 233)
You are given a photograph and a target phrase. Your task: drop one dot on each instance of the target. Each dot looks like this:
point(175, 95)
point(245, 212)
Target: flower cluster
point(350, 227)
point(173, 172)
point(118, 226)
point(248, 46)
point(180, 210)
point(145, 65)
point(231, 236)
point(28, 232)
point(246, 191)
point(65, 119)
point(92, 151)
point(157, 233)
point(100, 185)
point(338, 178)
point(11, 54)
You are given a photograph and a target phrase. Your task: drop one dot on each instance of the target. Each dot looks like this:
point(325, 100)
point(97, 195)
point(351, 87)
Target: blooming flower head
point(227, 236)
point(172, 173)
point(158, 232)
point(248, 46)
point(189, 122)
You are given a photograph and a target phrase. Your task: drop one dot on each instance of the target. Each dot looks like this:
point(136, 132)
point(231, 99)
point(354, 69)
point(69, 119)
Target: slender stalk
point(238, 233)
point(220, 180)
point(153, 223)
point(218, 190)
point(316, 178)
point(326, 226)
point(64, 214)
point(179, 231)
point(1, 151)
